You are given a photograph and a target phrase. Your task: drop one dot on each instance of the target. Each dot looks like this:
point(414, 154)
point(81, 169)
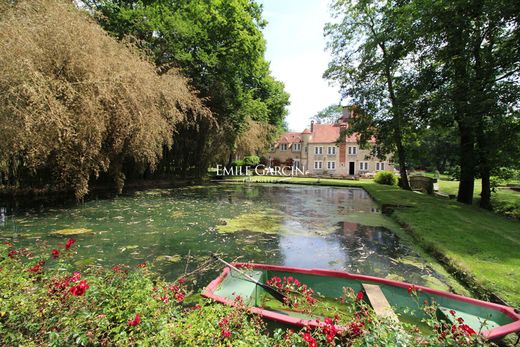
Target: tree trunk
point(397, 116)
point(485, 195)
point(467, 164)
point(403, 182)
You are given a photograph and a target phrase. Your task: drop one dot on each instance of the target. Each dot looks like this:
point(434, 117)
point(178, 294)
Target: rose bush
point(44, 300)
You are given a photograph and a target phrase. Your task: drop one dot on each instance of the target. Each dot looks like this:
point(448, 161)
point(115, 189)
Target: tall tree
point(329, 114)
point(368, 64)
point(220, 46)
point(473, 46)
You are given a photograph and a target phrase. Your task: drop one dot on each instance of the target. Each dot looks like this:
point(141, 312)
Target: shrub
point(251, 160)
point(45, 301)
point(237, 163)
point(386, 177)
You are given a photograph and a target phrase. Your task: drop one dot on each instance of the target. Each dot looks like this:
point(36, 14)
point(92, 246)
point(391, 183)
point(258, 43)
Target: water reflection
point(313, 227)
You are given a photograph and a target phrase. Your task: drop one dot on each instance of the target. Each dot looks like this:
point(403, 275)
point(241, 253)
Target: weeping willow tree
point(75, 103)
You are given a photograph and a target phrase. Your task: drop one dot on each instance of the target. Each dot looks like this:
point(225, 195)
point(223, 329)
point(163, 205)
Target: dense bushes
point(251, 160)
point(386, 177)
point(44, 300)
point(75, 103)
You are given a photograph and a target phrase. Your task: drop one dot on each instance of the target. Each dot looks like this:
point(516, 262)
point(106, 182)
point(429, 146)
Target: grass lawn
point(505, 201)
point(480, 246)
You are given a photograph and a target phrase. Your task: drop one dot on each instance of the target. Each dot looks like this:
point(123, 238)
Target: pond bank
point(477, 246)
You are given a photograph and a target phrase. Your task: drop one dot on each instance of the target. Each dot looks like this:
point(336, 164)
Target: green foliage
point(238, 162)
point(251, 160)
point(371, 65)
point(329, 114)
point(386, 177)
point(40, 304)
point(220, 46)
point(507, 174)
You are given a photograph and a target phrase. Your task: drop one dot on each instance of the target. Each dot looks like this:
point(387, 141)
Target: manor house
point(316, 151)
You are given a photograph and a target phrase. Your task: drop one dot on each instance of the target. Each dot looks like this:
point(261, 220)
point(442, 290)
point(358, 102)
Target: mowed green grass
point(505, 201)
point(477, 242)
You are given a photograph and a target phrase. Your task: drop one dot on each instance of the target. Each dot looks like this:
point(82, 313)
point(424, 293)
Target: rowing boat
point(387, 298)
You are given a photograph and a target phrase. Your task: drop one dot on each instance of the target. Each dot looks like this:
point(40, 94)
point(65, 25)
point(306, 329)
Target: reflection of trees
point(319, 202)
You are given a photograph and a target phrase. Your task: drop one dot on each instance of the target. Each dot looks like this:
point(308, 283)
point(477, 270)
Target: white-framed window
point(352, 150)
point(296, 163)
point(380, 166)
point(318, 165)
point(318, 150)
point(297, 147)
point(363, 166)
point(331, 165)
point(283, 147)
point(331, 150)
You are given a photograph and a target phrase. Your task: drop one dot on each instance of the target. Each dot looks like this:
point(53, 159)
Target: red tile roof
point(324, 133)
point(290, 138)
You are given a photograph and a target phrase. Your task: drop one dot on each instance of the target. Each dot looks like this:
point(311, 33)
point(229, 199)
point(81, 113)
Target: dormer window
point(283, 147)
point(297, 147)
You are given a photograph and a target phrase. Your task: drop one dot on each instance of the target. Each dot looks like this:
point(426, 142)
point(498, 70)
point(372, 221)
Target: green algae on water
point(72, 231)
point(261, 222)
point(169, 258)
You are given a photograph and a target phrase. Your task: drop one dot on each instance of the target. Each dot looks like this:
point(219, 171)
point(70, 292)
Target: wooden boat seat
point(378, 301)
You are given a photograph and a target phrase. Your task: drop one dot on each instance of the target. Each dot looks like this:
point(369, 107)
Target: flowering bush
point(45, 301)
point(298, 295)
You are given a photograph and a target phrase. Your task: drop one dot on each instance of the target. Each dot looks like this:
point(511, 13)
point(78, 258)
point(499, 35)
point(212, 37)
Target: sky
point(296, 50)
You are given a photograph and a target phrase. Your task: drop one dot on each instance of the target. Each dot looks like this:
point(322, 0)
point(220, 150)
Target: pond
point(301, 226)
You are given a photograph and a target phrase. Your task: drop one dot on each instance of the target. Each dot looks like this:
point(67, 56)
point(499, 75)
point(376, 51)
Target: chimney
point(312, 126)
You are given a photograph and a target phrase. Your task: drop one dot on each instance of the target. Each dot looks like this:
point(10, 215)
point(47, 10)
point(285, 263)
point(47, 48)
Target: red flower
point(75, 276)
point(197, 307)
point(55, 253)
point(12, 254)
point(179, 297)
point(328, 321)
point(225, 333)
point(311, 341)
point(69, 243)
point(164, 299)
point(8, 244)
point(135, 321)
point(36, 268)
point(119, 269)
point(80, 289)
point(359, 296)
point(141, 266)
point(307, 337)
point(452, 312)
point(467, 329)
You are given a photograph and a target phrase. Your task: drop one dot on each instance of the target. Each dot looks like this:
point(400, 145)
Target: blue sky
point(295, 48)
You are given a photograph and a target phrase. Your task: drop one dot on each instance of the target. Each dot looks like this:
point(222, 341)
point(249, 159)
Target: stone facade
point(316, 151)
